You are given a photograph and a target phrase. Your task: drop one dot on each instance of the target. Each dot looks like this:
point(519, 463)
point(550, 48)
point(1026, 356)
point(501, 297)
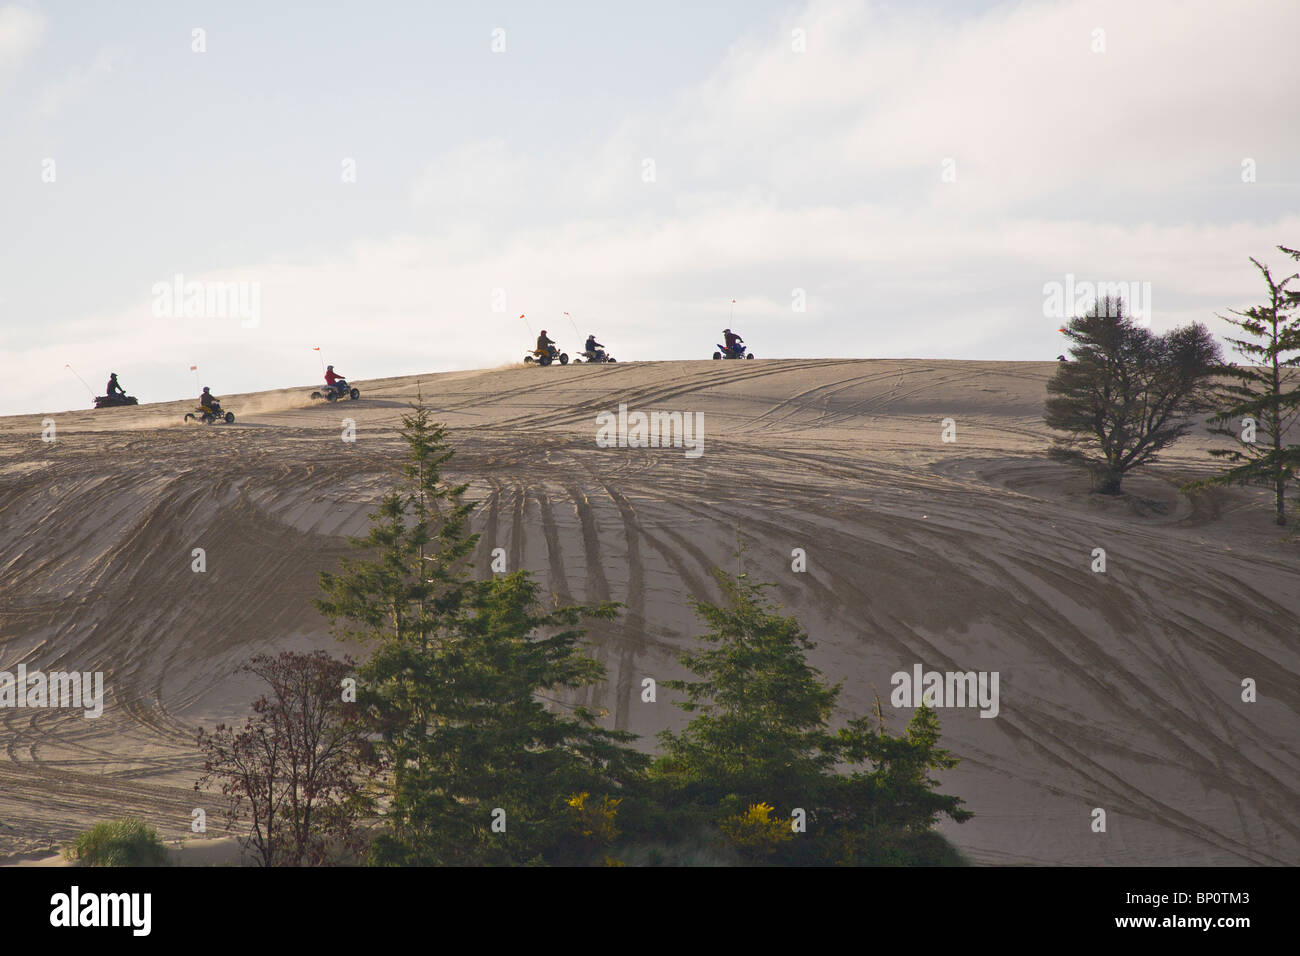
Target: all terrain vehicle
point(115, 401)
point(213, 416)
point(733, 353)
point(552, 354)
point(340, 389)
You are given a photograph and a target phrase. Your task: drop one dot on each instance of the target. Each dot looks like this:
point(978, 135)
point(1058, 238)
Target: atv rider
point(544, 345)
point(731, 338)
point(208, 402)
point(594, 348)
point(113, 388)
point(335, 381)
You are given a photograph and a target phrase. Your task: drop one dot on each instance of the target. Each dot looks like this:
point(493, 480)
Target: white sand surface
point(1119, 690)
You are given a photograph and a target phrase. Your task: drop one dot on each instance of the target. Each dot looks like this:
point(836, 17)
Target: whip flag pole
point(69, 367)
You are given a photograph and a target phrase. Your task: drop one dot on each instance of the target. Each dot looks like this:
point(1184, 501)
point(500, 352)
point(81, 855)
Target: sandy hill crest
point(1118, 690)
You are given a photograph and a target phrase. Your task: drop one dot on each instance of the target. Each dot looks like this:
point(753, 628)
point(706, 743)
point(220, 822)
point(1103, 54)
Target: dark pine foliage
point(1261, 398)
point(1127, 393)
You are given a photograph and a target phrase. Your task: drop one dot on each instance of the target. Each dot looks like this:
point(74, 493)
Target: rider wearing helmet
point(208, 402)
point(334, 380)
point(593, 348)
point(544, 344)
point(731, 338)
point(113, 387)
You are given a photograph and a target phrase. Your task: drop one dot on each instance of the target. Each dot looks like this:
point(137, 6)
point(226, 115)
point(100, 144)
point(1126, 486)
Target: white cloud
point(21, 30)
point(479, 175)
point(77, 83)
point(1016, 96)
point(820, 171)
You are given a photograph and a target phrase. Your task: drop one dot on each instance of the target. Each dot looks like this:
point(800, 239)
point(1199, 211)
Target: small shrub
point(595, 820)
point(754, 833)
point(126, 842)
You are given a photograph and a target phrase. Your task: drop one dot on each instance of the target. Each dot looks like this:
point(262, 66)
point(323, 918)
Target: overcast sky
point(397, 183)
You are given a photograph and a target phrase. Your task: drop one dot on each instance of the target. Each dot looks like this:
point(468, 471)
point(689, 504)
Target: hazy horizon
point(397, 184)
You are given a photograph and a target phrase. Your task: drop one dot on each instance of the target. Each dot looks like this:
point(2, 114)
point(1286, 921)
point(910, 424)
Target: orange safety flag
point(194, 368)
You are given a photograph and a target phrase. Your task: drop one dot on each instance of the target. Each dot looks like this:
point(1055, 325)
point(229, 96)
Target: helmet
point(726, 330)
point(112, 375)
point(331, 368)
point(543, 331)
point(205, 388)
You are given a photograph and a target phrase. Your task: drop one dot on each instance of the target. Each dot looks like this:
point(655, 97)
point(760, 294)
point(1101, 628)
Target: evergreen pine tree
point(500, 749)
point(1128, 393)
point(460, 688)
point(1264, 392)
point(406, 591)
point(761, 736)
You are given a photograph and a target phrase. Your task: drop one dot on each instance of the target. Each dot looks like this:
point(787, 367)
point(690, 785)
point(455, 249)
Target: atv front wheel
point(750, 355)
point(355, 393)
point(564, 358)
point(230, 418)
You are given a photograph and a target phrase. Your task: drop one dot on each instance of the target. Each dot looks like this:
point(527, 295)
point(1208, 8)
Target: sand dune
point(1118, 690)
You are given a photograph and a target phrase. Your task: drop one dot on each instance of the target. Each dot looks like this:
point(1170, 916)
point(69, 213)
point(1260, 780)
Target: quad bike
point(547, 357)
point(733, 353)
point(339, 389)
point(115, 400)
point(595, 357)
point(210, 416)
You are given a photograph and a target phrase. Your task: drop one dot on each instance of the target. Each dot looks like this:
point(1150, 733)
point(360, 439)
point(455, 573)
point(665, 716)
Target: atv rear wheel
point(528, 360)
point(189, 417)
point(717, 355)
point(544, 360)
point(315, 394)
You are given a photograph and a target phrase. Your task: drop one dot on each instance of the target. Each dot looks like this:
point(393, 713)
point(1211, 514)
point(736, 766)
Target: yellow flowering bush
point(755, 833)
point(594, 820)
